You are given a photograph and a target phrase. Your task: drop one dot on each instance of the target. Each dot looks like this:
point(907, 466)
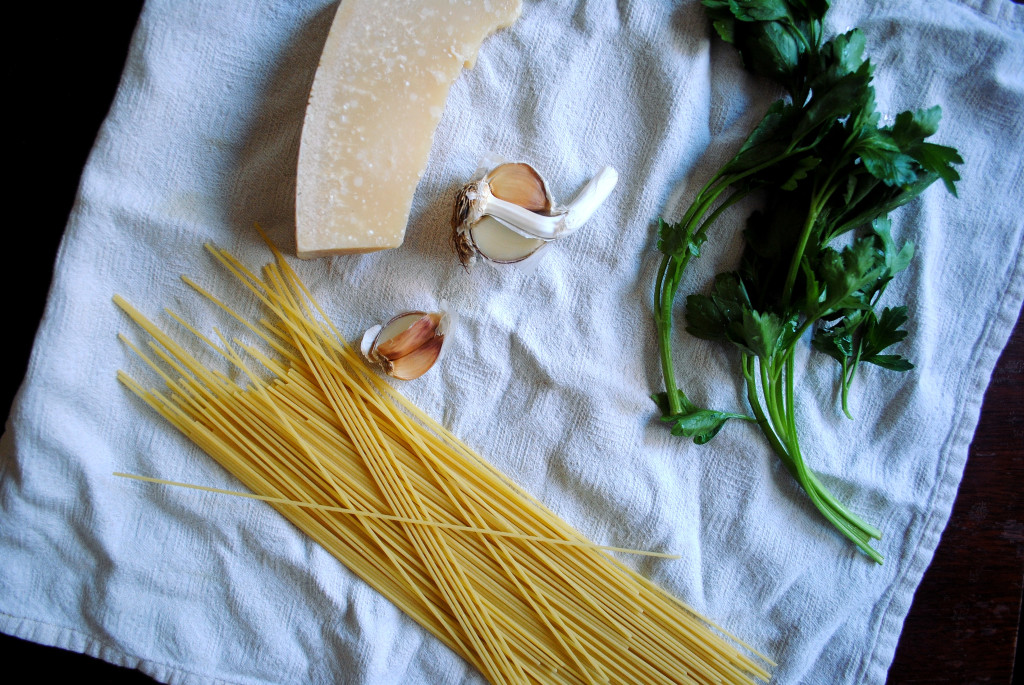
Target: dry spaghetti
point(413, 511)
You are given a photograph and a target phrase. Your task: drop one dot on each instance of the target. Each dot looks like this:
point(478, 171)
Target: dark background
point(63, 66)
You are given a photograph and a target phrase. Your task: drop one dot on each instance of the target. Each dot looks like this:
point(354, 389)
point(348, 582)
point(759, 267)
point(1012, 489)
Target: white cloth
point(548, 375)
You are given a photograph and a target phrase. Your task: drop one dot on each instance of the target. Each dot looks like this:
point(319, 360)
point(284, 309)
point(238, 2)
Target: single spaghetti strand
point(375, 514)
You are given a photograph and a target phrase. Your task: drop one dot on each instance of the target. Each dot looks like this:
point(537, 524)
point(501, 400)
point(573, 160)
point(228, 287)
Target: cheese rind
point(377, 98)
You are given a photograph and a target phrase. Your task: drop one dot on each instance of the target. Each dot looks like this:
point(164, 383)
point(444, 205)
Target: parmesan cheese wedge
point(377, 98)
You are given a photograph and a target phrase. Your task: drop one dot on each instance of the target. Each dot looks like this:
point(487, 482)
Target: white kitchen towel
point(548, 374)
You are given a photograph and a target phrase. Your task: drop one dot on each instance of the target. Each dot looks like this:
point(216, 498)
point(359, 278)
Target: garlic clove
point(521, 185)
point(408, 345)
point(498, 243)
point(417, 362)
point(416, 335)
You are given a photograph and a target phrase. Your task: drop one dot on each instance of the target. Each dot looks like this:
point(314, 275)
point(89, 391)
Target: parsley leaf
point(692, 421)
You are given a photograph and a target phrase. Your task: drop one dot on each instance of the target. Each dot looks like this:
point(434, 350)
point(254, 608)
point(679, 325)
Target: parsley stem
point(798, 35)
point(818, 202)
point(670, 272)
point(749, 364)
point(713, 217)
point(664, 296)
point(700, 207)
point(779, 427)
point(798, 254)
point(658, 289)
point(698, 201)
point(790, 401)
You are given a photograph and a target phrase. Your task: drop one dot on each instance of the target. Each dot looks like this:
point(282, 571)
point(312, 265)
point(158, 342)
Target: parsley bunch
point(829, 174)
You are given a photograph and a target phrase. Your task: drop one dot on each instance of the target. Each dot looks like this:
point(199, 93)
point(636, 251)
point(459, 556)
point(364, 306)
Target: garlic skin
point(513, 198)
point(408, 345)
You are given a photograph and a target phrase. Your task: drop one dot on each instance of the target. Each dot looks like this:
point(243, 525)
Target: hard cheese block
point(377, 98)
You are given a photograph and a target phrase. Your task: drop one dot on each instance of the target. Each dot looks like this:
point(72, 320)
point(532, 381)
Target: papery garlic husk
point(408, 345)
point(508, 214)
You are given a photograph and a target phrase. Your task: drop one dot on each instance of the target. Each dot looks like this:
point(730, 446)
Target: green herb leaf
point(939, 160)
point(720, 315)
point(765, 334)
point(910, 131)
point(700, 424)
point(674, 240)
point(888, 164)
point(884, 332)
point(895, 258)
point(800, 171)
point(766, 142)
point(846, 273)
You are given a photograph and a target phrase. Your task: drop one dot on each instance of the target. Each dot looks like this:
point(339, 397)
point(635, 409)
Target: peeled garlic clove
point(520, 184)
point(407, 345)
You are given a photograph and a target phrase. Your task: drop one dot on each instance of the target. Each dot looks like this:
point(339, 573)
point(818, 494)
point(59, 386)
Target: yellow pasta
point(413, 511)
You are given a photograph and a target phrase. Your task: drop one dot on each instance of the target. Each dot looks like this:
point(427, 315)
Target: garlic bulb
point(508, 213)
point(408, 345)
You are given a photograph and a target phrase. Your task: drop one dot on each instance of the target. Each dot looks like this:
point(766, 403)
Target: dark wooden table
point(64, 65)
point(963, 624)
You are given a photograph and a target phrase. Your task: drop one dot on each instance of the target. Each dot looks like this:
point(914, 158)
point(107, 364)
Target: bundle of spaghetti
point(413, 511)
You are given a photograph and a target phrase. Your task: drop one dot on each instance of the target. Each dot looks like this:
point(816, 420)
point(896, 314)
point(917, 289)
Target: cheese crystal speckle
point(377, 98)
